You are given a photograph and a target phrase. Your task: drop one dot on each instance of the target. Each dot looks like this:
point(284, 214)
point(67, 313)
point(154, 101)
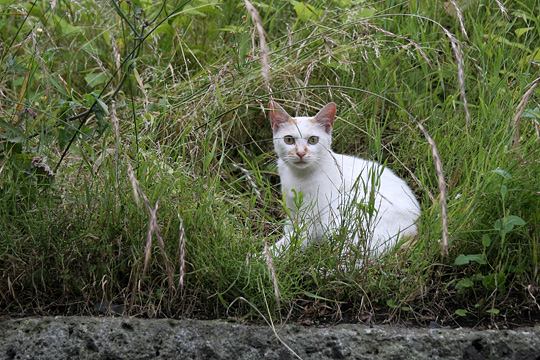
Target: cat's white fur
point(332, 185)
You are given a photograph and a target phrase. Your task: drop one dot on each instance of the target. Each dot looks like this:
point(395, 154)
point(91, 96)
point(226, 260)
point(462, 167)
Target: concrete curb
point(129, 338)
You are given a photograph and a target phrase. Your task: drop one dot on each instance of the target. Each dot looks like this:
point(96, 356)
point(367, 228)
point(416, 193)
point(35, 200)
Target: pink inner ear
point(278, 115)
point(326, 116)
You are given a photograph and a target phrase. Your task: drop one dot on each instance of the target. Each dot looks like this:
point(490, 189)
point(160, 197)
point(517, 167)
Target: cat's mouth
point(300, 162)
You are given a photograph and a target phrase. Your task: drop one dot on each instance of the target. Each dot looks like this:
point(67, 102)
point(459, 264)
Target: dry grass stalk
point(116, 129)
point(268, 320)
point(114, 121)
point(249, 178)
point(304, 84)
point(153, 228)
point(161, 244)
point(502, 8)
point(272, 270)
point(140, 82)
point(520, 109)
point(181, 254)
point(116, 56)
point(458, 54)
point(148, 246)
point(410, 41)
point(442, 187)
point(265, 65)
point(459, 15)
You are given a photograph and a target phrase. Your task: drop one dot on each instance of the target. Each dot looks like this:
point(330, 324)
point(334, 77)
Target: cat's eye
point(312, 140)
point(288, 139)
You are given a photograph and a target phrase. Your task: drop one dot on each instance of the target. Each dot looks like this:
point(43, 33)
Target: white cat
point(325, 192)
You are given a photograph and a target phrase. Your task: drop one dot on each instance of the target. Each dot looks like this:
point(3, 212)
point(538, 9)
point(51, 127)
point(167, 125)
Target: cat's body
point(337, 191)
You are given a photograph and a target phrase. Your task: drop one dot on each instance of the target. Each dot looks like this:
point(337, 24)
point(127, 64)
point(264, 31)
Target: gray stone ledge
point(129, 338)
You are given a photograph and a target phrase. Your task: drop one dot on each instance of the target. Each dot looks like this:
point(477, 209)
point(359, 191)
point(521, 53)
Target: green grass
point(188, 97)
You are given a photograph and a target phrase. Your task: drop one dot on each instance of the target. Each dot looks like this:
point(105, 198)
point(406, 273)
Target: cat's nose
point(301, 154)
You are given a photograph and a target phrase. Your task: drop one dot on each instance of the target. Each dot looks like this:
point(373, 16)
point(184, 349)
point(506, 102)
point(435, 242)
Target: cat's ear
point(326, 116)
point(278, 115)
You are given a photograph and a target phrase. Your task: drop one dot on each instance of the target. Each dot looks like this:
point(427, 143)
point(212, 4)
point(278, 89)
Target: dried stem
point(250, 179)
point(519, 111)
point(148, 246)
point(161, 244)
point(459, 15)
point(181, 254)
point(264, 51)
point(458, 54)
point(153, 228)
point(116, 128)
point(410, 41)
point(502, 8)
point(272, 270)
point(442, 187)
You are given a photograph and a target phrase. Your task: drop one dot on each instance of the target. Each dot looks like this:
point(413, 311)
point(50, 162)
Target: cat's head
point(302, 141)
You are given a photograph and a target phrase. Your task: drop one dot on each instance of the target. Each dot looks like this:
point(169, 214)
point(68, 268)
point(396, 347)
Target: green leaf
point(531, 113)
point(65, 27)
point(505, 174)
point(365, 13)
point(536, 54)
point(233, 29)
point(13, 134)
point(514, 220)
point(507, 223)
point(504, 191)
point(342, 3)
point(519, 32)
point(64, 134)
point(493, 311)
point(489, 281)
point(102, 107)
point(522, 14)
point(202, 8)
point(305, 11)
point(95, 79)
point(61, 89)
point(504, 41)
point(464, 283)
point(461, 312)
point(486, 240)
point(190, 10)
point(391, 303)
point(466, 259)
